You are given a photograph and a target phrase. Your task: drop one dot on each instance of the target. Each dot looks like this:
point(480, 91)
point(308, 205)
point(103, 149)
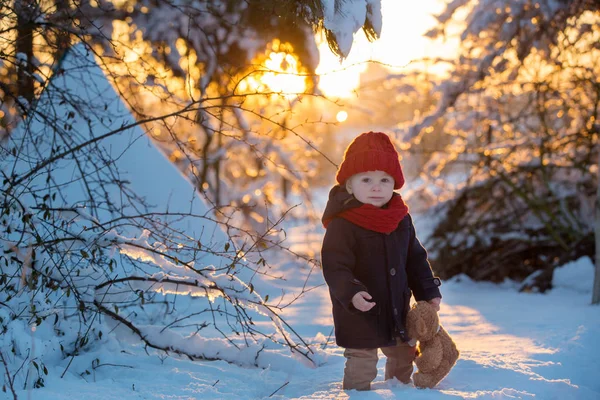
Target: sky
point(401, 42)
point(513, 345)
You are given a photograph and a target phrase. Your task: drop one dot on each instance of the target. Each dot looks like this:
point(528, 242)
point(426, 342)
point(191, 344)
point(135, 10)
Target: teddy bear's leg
point(439, 373)
point(424, 380)
point(360, 369)
point(399, 362)
point(432, 378)
point(451, 353)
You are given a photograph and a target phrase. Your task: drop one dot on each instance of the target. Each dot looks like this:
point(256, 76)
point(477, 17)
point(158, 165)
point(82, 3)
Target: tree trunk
point(596, 290)
point(25, 15)
point(63, 37)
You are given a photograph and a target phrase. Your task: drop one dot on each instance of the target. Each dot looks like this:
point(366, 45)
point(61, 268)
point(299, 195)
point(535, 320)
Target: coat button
point(393, 271)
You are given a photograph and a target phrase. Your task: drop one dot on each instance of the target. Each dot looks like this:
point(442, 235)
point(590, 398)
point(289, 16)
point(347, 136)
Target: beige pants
point(361, 365)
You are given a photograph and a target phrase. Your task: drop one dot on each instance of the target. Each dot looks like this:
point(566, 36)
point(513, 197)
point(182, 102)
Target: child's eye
point(366, 180)
point(385, 180)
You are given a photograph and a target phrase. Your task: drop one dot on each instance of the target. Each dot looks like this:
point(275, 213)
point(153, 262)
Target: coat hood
point(339, 200)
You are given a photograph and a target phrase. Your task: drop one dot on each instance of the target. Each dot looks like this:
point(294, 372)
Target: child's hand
point(436, 303)
point(359, 301)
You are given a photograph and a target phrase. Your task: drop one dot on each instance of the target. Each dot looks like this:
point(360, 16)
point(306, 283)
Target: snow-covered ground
point(513, 346)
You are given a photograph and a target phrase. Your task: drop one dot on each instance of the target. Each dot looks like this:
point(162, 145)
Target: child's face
point(372, 187)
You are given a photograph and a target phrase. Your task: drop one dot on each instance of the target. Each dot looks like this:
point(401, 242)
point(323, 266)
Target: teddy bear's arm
point(431, 355)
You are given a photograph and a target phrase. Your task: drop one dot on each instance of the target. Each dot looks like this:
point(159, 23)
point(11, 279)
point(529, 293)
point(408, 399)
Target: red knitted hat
point(371, 151)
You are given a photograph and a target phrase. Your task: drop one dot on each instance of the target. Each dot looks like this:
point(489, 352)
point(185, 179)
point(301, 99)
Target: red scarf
point(384, 220)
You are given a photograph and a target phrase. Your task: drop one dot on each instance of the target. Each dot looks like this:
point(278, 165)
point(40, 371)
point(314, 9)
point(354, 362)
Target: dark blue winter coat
point(390, 267)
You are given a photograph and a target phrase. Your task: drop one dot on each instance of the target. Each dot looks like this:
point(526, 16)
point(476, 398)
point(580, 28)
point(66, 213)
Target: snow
point(575, 276)
point(345, 18)
point(513, 346)
point(344, 23)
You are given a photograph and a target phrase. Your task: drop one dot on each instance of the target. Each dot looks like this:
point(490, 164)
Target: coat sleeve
point(420, 277)
point(338, 261)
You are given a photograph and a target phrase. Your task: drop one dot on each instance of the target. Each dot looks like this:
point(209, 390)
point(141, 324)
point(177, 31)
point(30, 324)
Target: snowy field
point(513, 346)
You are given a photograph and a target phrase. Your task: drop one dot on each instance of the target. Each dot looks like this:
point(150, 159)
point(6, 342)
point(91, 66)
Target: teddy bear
point(437, 352)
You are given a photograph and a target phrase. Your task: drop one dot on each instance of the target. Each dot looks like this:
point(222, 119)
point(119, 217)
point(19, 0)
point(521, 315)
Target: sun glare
point(341, 116)
point(280, 72)
point(338, 79)
point(283, 75)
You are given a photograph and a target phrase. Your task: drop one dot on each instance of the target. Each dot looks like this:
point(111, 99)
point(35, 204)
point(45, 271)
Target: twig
point(8, 378)
point(79, 339)
point(112, 365)
point(328, 338)
point(146, 341)
point(291, 329)
point(279, 388)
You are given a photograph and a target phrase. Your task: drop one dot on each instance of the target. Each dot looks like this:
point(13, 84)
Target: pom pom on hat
point(371, 151)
